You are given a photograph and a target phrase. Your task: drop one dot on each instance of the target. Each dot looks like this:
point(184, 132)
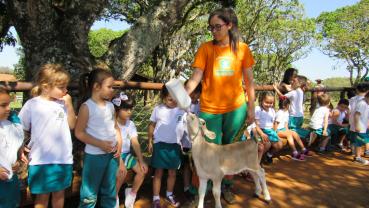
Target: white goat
point(213, 161)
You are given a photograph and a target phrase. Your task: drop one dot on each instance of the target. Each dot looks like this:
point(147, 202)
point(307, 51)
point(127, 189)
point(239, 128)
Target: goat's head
point(197, 127)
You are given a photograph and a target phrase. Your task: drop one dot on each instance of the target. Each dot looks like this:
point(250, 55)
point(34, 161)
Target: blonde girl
point(96, 127)
point(48, 117)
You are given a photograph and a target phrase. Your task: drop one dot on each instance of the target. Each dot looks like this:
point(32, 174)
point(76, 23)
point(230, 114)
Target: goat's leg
point(262, 178)
point(202, 190)
point(256, 178)
point(216, 191)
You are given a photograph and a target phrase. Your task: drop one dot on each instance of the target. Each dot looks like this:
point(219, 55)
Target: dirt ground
point(330, 180)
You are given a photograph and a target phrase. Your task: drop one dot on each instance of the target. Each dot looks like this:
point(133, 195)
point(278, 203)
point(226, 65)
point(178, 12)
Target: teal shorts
point(361, 139)
point(295, 122)
point(10, 193)
point(351, 136)
point(43, 179)
point(129, 160)
point(282, 129)
point(319, 132)
point(166, 156)
point(272, 135)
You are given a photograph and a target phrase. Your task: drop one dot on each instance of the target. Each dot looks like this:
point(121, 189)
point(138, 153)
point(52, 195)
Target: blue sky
point(314, 65)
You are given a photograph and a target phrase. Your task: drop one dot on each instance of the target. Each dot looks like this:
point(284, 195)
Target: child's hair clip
point(117, 101)
point(123, 96)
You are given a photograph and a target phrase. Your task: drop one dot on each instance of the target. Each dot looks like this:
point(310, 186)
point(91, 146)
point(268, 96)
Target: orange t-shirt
point(222, 79)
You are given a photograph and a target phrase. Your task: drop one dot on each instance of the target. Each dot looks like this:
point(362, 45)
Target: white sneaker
point(361, 161)
point(117, 204)
point(130, 199)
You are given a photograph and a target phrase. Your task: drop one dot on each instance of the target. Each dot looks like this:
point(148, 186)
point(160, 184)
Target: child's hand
point(150, 148)
point(108, 147)
point(25, 150)
point(118, 152)
point(67, 99)
point(122, 170)
point(144, 167)
point(265, 137)
point(16, 166)
point(275, 86)
point(325, 133)
point(4, 174)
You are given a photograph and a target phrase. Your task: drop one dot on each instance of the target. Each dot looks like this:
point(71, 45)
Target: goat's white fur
point(213, 161)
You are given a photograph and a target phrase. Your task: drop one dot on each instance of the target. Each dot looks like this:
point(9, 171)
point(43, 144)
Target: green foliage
point(344, 34)
point(20, 67)
point(278, 34)
point(336, 82)
point(99, 40)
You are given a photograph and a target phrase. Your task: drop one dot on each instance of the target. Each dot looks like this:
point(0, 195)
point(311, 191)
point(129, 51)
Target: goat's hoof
point(268, 202)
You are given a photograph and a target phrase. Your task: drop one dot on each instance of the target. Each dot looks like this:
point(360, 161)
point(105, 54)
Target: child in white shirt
point(165, 145)
point(319, 122)
point(123, 108)
point(49, 116)
point(361, 119)
point(11, 139)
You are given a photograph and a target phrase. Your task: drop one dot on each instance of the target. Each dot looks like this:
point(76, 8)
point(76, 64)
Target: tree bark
point(55, 31)
point(127, 53)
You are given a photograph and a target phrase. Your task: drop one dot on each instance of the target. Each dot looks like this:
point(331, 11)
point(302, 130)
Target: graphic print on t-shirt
point(224, 66)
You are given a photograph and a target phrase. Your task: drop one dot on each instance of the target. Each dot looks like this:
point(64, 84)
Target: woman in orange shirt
point(221, 65)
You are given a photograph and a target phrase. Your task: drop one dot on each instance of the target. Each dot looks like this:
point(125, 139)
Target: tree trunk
point(55, 31)
point(128, 52)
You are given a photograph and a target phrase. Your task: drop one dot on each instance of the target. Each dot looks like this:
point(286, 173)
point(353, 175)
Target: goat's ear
point(209, 134)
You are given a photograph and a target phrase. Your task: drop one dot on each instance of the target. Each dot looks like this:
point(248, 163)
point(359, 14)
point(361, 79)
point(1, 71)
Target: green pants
point(98, 180)
point(226, 125)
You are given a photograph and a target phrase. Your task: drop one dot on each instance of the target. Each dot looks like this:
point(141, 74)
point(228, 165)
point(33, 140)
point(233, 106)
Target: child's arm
point(150, 135)
point(275, 86)
point(260, 132)
point(80, 132)
point(137, 149)
point(119, 141)
point(334, 116)
point(4, 174)
point(325, 124)
point(71, 115)
point(356, 121)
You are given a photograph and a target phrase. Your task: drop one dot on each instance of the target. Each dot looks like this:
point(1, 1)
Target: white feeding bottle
point(179, 94)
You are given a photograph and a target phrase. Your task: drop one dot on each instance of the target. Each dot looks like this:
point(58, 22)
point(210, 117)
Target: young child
point(336, 124)
point(296, 109)
point(11, 139)
point(189, 190)
point(281, 125)
point(49, 117)
point(96, 127)
point(264, 120)
point(164, 146)
point(319, 123)
point(361, 90)
point(361, 120)
point(123, 109)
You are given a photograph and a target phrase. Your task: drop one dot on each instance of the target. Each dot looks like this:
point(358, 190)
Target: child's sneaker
point(366, 153)
point(156, 204)
point(268, 160)
point(130, 198)
point(307, 153)
point(361, 161)
point(172, 201)
point(298, 157)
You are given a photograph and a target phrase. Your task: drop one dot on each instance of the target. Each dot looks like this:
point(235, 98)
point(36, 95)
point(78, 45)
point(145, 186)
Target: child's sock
point(304, 149)
point(169, 193)
point(321, 148)
point(156, 198)
point(295, 153)
point(269, 154)
point(186, 188)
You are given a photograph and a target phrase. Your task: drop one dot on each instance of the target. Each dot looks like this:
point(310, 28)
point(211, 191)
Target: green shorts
point(226, 125)
point(10, 193)
point(166, 156)
point(129, 160)
point(272, 135)
point(361, 139)
point(319, 132)
point(43, 179)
